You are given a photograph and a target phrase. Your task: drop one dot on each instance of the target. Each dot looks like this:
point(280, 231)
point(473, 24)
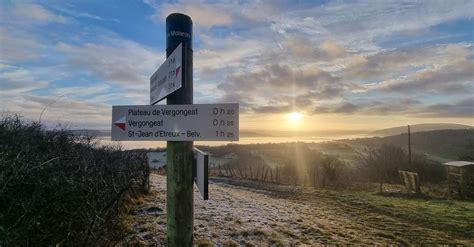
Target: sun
point(295, 117)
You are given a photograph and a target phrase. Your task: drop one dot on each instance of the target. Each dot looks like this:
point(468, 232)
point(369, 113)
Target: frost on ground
point(276, 215)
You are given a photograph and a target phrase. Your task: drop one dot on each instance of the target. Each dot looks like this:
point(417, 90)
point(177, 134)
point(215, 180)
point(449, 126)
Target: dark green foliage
point(468, 181)
point(428, 170)
point(57, 188)
point(468, 153)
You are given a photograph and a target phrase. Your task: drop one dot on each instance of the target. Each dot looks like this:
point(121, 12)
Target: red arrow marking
point(120, 125)
point(177, 70)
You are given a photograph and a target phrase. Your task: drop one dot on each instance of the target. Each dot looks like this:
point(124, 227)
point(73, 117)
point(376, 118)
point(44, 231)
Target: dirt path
point(242, 215)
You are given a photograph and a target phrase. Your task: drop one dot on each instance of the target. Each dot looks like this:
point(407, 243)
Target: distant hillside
point(419, 128)
point(298, 133)
point(91, 132)
point(248, 133)
point(441, 145)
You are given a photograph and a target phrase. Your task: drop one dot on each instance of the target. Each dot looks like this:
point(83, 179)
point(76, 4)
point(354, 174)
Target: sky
point(355, 65)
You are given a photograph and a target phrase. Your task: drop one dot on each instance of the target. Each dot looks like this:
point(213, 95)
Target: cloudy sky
point(343, 65)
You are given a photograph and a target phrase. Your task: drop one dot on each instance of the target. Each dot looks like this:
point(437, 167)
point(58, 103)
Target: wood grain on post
point(179, 154)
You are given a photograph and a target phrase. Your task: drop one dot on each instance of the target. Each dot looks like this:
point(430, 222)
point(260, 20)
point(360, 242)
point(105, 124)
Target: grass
point(203, 242)
point(398, 217)
point(230, 243)
point(455, 218)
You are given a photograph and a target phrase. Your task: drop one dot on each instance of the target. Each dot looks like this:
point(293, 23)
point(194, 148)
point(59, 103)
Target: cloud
point(95, 92)
point(17, 47)
point(281, 78)
point(452, 78)
point(367, 58)
point(463, 108)
point(272, 109)
point(386, 64)
point(360, 25)
point(82, 108)
point(21, 33)
point(18, 80)
point(344, 107)
point(225, 53)
point(277, 88)
point(207, 14)
point(302, 48)
point(373, 107)
point(37, 13)
point(115, 61)
point(460, 109)
point(203, 14)
point(80, 14)
point(312, 53)
point(29, 14)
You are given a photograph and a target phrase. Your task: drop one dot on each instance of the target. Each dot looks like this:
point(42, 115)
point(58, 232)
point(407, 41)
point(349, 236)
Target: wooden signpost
point(179, 122)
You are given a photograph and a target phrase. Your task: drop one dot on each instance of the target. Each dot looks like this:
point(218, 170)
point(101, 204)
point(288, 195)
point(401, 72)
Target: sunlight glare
point(295, 117)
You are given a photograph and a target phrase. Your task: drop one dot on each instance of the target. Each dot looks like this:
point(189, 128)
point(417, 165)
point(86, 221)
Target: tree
point(468, 153)
point(330, 167)
point(382, 163)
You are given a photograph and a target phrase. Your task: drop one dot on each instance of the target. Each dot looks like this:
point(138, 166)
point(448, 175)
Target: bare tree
point(330, 167)
point(382, 163)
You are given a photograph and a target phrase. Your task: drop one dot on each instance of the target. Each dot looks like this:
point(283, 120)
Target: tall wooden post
point(179, 154)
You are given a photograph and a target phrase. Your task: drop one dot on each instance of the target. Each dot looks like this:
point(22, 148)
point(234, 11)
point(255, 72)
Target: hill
point(419, 128)
point(440, 145)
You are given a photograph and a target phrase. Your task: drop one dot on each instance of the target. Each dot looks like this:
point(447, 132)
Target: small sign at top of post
point(168, 78)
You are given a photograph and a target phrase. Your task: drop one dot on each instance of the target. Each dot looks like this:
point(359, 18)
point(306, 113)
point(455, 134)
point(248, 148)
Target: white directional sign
point(200, 122)
point(168, 78)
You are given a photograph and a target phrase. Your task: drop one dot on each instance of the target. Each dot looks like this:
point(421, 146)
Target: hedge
point(60, 189)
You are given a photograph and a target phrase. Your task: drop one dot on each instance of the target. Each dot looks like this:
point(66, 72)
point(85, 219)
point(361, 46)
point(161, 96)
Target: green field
point(400, 218)
point(252, 213)
point(405, 217)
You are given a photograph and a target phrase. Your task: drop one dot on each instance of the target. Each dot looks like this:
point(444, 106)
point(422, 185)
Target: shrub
point(428, 171)
point(60, 189)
